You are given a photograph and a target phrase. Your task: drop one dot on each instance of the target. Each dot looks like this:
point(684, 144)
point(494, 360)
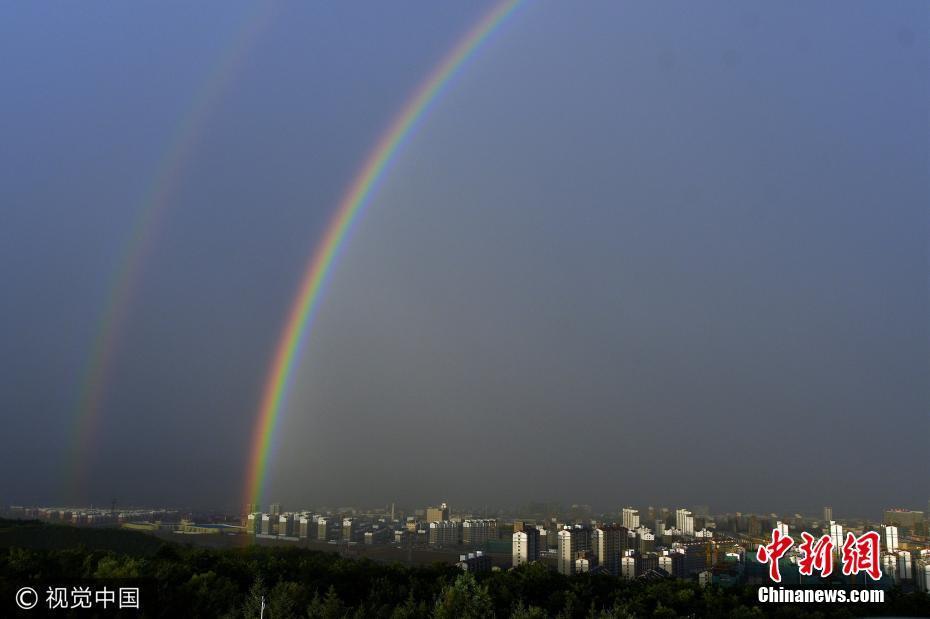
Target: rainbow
point(307, 301)
point(125, 276)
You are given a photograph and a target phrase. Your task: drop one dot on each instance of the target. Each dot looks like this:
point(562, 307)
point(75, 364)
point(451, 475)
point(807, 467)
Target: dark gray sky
point(636, 254)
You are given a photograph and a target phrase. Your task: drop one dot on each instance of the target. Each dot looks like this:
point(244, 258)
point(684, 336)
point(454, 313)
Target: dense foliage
point(198, 582)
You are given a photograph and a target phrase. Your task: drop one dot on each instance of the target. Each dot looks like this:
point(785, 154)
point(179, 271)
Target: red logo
point(861, 554)
point(773, 552)
point(818, 555)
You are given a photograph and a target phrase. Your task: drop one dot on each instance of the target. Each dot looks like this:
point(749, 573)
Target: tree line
point(294, 582)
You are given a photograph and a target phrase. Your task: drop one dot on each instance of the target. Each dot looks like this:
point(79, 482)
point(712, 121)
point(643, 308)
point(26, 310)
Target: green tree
point(208, 595)
point(664, 611)
point(407, 610)
point(744, 612)
point(464, 599)
point(285, 600)
point(521, 611)
point(315, 609)
point(330, 607)
point(112, 566)
point(252, 608)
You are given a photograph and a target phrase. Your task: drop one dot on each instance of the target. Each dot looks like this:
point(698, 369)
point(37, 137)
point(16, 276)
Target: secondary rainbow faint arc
point(307, 300)
point(124, 278)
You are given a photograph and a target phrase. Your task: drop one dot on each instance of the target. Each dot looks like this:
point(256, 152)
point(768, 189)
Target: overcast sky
point(636, 254)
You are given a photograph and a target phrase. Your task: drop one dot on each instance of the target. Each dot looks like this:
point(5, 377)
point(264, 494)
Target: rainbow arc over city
point(307, 301)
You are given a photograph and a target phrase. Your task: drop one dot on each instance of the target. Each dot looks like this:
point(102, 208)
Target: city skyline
point(628, 516)
point(680, 543)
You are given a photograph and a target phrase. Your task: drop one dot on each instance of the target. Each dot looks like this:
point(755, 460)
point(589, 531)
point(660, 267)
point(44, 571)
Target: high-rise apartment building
point(347, 529)
point(630, 518)
point(646, 542)
point(696, 558)
point(325, 529)
point(444, 533)
point(922, 575)
point(608, 543)
point(646, 562)
point(305, 526)
point(628, 567)
point(286, 525)
point(684, 522)
point(665, 563)
point(478, 532)
point(890, 566)
point(905, 569)
point(566, 556)
point(379, 535)
point(754, 526)
point(573, 543)
point(890, 538)
point(836, 536)
point(525, 546)
point(599, 545)
point(827, 514)
point(437, 514)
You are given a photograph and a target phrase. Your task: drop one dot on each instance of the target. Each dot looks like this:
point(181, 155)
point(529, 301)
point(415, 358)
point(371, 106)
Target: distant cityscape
point(631, 543)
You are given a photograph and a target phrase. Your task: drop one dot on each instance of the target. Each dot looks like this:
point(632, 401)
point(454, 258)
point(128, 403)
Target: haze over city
point(631, 255)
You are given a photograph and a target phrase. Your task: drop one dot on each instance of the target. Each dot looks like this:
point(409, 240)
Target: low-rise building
point(476, 562)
